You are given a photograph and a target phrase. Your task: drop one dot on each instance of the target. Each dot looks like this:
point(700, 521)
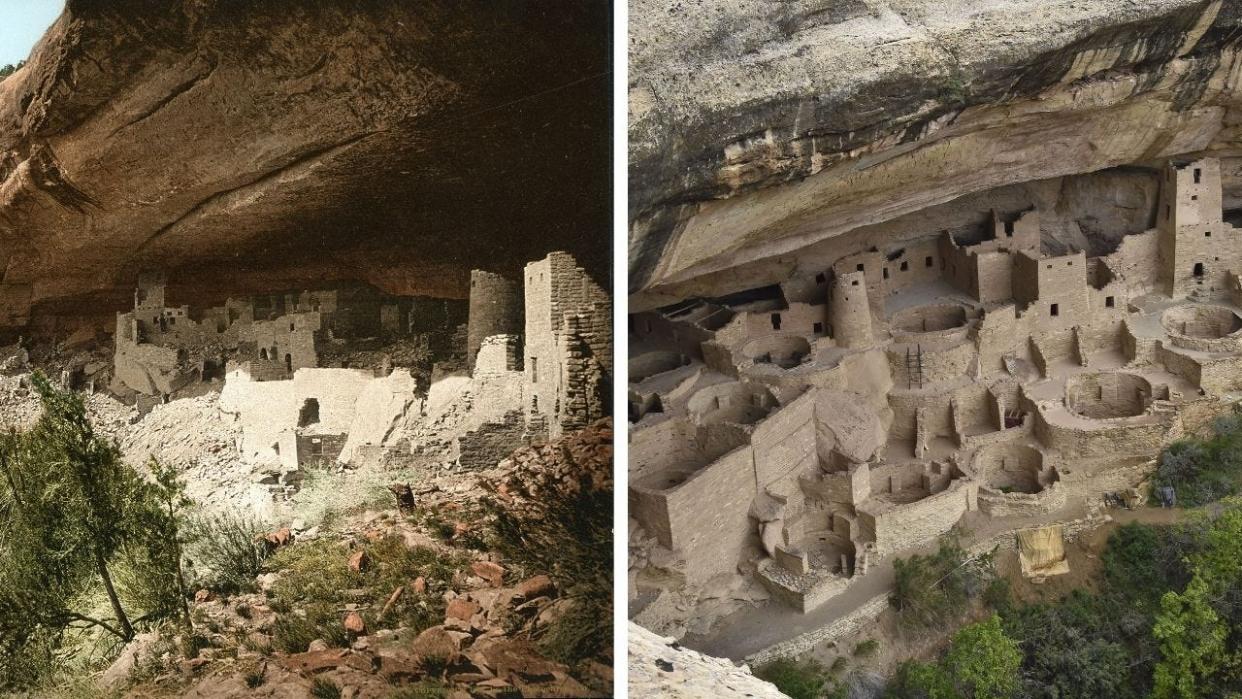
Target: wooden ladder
point(914, 366)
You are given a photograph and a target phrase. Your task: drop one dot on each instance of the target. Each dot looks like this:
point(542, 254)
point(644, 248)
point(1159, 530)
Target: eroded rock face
point(659, 667)
point(767, 138)
point(256, 146)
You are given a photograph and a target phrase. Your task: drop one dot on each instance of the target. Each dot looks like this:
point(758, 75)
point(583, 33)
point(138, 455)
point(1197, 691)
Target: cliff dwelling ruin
point(349, 377)
point(800, 433)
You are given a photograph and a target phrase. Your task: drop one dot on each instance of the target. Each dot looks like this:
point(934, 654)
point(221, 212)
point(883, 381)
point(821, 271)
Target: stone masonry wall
point(713, 539)
point(915, 523)
point(493, 442)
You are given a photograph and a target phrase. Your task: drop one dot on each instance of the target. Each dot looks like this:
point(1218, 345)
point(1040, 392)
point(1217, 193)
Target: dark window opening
point(1198, 269)
point(854, 283)
point(1167, 211)
point(1207, 234)
point(860, 267)
point(288, 362)
point(263, 353)
point(1194, 197)
point(885, 270)
point(905, 266)
point(534, 369)
point(819, 278)
point(776, 321)
point(1109, 302)
point(817, 328)
point(1056, 310)
point(928, 262)
point(1009, 228)
point(309, 414)
point(1198, 175)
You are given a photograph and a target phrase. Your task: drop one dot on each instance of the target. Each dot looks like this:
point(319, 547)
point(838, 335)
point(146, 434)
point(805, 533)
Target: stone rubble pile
point(485, 645)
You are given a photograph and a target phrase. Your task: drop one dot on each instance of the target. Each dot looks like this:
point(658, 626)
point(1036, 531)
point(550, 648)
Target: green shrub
point(867, 648)
point(916, 680)
point(933, 589)
point(315, 578)
point(227, 552)
point(9, 69)
point(799, 679)
point(1204, 470)
point(324, 688)
point(254, 678)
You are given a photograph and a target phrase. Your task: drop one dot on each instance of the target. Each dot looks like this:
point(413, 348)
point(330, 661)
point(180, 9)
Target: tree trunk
point(127, 631)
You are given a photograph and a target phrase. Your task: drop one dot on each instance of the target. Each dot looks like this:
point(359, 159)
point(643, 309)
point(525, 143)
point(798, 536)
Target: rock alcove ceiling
point(767, 139)
point(248, 146)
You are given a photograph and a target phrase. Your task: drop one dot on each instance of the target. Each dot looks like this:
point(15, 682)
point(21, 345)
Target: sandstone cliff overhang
point(759, 130)
point(247, 146)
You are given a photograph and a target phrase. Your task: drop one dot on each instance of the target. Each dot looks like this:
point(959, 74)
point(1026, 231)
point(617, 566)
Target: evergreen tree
point(71, 514)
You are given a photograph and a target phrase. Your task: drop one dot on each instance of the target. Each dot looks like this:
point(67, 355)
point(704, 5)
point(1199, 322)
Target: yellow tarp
point(1041, 552)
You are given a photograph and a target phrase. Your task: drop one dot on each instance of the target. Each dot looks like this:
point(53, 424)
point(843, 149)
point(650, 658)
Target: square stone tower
point(1196, 249)
point(568, 353)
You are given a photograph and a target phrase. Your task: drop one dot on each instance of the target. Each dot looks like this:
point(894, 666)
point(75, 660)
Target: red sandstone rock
point(538, 586)
point(358, 562)
point(354, 623)
point(436, 643)
point(493, 573)
point(462, 608)
point(248, 160)
point(278, 538)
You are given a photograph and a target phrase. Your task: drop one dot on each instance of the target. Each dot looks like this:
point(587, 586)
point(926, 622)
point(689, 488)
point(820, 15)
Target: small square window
point(861, 267)
point(1109, 302)
point(928, 262)
point(1055, 310)
point(1194, 197)
point(905, 266)
point(819, 278)
point(818, 328)
point(854, 283)
point(1069, 264)
point(1050, 266)
point(1207, 234)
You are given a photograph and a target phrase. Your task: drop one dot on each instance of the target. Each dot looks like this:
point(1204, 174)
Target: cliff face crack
point(168, 99)
point(321, 153)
